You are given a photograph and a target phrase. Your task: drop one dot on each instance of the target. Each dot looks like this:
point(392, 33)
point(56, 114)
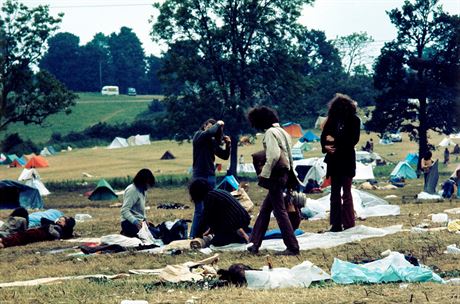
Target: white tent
point(2, 157)
point(118, 142)
point(139, 140)
point(246, 168)
point(320, 122)
point(364, 203)
point(363, 172)
point(455, 136)
point(32, 178)
point(45, 152)
point(446, 142)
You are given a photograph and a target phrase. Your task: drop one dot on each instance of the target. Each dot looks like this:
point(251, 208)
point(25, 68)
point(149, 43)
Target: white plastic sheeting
point(31, 178)
point(365, 205)
point(427, 196)
point(246, 168)
point(309, 241)
point(298, 276)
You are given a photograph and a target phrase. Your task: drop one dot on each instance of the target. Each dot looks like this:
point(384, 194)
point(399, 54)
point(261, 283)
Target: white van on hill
point(110, 90)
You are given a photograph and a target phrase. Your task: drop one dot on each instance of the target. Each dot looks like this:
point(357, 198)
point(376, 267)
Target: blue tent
point(309, 136)
point(14, 194)
point(229, 183)
point(403, 169)
point(51, 150)
point(412, 158)
point(9, 159)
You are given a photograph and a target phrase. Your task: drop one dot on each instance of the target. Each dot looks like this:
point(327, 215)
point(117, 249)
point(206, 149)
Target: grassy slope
point(90, 109)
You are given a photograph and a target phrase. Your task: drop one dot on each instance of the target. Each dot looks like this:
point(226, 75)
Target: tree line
point(116, 59)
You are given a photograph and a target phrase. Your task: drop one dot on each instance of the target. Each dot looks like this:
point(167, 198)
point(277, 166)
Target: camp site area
point(88, 183)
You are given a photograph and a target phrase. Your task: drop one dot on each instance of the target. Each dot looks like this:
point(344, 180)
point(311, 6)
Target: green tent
point(103, 192)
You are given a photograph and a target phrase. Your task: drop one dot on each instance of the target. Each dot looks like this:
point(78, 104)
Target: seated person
point(62, 228)
point(310, 186)
point(17, 221)
point(223, 215)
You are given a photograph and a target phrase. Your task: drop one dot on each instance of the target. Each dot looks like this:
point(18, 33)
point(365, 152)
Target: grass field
point(89, 110)
point(34, 260)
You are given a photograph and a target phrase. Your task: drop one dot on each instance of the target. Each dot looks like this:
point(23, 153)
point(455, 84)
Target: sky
point(85, 18)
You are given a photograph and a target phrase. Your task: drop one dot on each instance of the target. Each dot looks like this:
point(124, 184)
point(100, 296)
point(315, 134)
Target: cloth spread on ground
point(276, 234)
point(365, 205)
point(172, 206)
point(42, 281)
point(393, 268)
point(309, 241)
point(182, 272)
point(454, 226)
point(452, 249)
point(298, 276)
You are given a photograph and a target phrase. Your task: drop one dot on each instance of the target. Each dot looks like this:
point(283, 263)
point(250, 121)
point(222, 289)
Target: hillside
point(90, 109)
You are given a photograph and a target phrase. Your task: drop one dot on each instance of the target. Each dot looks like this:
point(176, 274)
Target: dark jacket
point(205, 146)
point(223, 213)
point(346, 134)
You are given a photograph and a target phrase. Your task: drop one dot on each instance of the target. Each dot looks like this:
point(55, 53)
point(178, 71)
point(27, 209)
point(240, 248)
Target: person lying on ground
point(223, 215)
point(17, 221)
point(62, 228)
point(133, 209)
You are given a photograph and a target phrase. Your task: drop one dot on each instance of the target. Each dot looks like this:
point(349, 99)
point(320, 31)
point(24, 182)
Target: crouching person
point(223, 216)
point(62, 228)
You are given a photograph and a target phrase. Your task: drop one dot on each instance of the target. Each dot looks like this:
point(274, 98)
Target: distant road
point(88, 98)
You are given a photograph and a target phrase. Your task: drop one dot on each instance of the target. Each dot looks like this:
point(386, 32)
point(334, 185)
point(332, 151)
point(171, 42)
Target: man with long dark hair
point(276, 141)
point(207, 143)
point(338, 139)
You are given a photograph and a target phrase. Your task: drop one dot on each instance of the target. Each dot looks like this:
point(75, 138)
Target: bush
point(13, 143)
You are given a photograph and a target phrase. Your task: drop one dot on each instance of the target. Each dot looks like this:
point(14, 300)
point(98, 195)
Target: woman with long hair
point(275, 141)
point(133, 208)
point(338, 139)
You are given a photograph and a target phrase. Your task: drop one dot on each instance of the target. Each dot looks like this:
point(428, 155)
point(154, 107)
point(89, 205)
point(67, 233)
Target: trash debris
point(439, 218)
point(81, 217)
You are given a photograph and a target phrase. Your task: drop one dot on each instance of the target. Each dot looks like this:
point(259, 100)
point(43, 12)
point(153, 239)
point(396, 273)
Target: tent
point(2, 158)
point(139, 140)
point(14, 194)
point(296, 153)
point(412, 158)
point(403, 169)
point(431, 179)
point(303, 146)
point(31, 178)
point(294, 129)
point(45, 152)
point(229, 183)
point(103, 192)
point(37, 162)
point(310, 168)
point(446, 142)
point(28, 156)
point(18, 162)
point(118, 142)
point(51, 150)
point(9, 159)
point(168, 155)
point(320, 122)
point(246, 168)
point(309, 136)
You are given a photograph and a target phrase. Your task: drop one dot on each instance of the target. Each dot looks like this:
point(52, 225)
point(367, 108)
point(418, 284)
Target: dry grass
point(33, 261)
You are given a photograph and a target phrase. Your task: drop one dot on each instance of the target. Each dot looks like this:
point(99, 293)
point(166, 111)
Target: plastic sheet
point(394, 268)
point(298, 276)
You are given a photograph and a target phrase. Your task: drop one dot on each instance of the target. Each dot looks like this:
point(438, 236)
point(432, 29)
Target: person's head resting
point(207, 124)
point(262, 118)
point(198, 189)
point(144, 179)
point(428, 155)
point(341, 105)
point(67, 223)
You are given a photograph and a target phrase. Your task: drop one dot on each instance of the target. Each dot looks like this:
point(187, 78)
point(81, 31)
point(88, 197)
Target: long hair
point(262, 118)
point(341, 108)
point(67, 230)
point(198, 189)
point(21, 212)
point(144, 178)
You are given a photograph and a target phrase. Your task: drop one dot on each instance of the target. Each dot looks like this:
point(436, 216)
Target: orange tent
point(295, 130)
point(37, 162)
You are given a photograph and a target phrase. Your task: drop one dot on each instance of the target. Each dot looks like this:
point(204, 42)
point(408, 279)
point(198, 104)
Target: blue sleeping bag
point(51, 214)
point(276, 234)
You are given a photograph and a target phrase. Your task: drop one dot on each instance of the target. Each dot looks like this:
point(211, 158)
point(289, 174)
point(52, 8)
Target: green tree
point(215, 48)
point(127, 59)
point(352, 50)
point(25, 96)
point(63, 60)
point(417, 74)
